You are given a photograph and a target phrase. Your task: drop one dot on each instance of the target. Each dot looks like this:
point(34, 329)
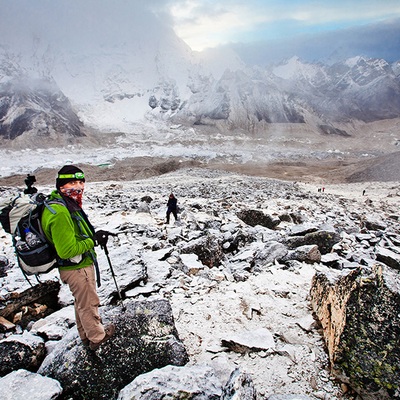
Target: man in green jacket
point(74, 238)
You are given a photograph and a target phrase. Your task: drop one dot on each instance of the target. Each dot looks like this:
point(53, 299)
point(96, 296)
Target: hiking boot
point(109, 330)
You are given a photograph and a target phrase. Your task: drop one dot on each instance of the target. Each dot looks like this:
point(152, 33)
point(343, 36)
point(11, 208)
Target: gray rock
point(331, 259)
point(131, 274)
point(289, 397)
point(256, 340)
point(25, 351)
point(257, 217)
point(309, 254)
point(239, 387)
point(373, 224)
point(174, 383)
point(325, 240)
point(143, 208)
point(22, 384)
point(388, 257)
point(4, 266)
point(303, 229)
point(55, 326)
point(145, 338)
point(208, 248)
point(272, 251)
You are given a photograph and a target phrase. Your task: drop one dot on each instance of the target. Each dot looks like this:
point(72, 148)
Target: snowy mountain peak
point(147, 72)
point(295, 68)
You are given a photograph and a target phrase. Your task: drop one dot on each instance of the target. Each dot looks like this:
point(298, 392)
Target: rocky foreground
point(262, 290)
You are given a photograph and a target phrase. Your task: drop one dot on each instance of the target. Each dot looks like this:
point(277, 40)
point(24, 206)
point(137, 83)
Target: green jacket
point(70, 235)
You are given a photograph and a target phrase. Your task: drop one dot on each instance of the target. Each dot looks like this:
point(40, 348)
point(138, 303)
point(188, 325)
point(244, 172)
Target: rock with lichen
point(145, 339)
point(360, 315)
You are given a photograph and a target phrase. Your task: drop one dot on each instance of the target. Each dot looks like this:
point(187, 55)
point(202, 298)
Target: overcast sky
point(208, 23)
point(259, 30)
point(311, 29)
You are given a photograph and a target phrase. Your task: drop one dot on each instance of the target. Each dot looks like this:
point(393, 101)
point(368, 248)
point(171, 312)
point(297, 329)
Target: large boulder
point(207, 248)
point(25, 351)
point(258, 217)
point(360, 316)
point(271, 252)
point(324, 239)
point(145, 338)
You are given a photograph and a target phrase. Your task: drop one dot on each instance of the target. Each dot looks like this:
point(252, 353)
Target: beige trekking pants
point(82, 283)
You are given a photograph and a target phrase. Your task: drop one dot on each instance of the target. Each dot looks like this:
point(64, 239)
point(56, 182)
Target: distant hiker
point(172, 207)
point(74, 238)
point(29, 181)
point(364, 192)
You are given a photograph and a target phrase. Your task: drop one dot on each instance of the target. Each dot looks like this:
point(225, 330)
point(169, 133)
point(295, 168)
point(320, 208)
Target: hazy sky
point(259, 30)
point(208, 23)
point(311, 29)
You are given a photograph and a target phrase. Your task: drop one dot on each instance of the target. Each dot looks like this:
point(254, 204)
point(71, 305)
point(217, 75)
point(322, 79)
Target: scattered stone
point(6, 325)
point(289, 397)
point(243, 342)
point(388, 257)
point(4, 266)
point(373, 225)
point(221, 271)
point(56, 325)
point(240, 386)
point(22, 384)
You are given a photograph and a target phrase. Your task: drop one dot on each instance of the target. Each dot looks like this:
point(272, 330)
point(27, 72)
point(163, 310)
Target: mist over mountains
point(57, 84)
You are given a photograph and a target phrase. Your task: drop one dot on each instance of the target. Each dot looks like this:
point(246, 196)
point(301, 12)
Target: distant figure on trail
point(29, 181)
point(364, 192)
point(172, 207)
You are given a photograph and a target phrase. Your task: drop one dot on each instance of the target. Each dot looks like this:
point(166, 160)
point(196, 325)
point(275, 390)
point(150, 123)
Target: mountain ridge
point(110, 91)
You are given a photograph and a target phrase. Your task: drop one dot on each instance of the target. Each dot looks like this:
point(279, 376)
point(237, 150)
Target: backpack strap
point(79, 217)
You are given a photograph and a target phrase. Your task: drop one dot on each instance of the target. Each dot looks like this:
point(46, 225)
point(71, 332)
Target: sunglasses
point(76, 175)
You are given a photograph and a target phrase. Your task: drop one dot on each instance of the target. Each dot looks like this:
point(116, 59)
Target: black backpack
point(21, 216)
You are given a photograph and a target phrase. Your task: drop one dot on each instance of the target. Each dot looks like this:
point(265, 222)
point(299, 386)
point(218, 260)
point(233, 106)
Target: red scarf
point(74, 194)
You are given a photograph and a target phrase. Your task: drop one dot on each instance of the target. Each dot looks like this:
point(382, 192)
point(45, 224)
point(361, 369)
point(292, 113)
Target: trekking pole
point(104, 247)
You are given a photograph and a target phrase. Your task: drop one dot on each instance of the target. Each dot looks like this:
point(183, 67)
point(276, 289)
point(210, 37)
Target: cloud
point(204, 23)
point(78, 24)
point(380, 40)
point(260, 30)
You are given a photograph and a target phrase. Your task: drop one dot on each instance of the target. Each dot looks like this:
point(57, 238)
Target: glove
point(101, 238)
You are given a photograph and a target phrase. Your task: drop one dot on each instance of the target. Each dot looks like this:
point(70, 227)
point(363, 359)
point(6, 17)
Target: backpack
point(21, 216)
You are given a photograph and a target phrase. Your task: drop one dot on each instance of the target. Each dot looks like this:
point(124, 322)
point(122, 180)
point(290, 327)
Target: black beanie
point(67, 174)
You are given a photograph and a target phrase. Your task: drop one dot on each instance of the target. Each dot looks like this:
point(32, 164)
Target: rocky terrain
point(237, 269)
